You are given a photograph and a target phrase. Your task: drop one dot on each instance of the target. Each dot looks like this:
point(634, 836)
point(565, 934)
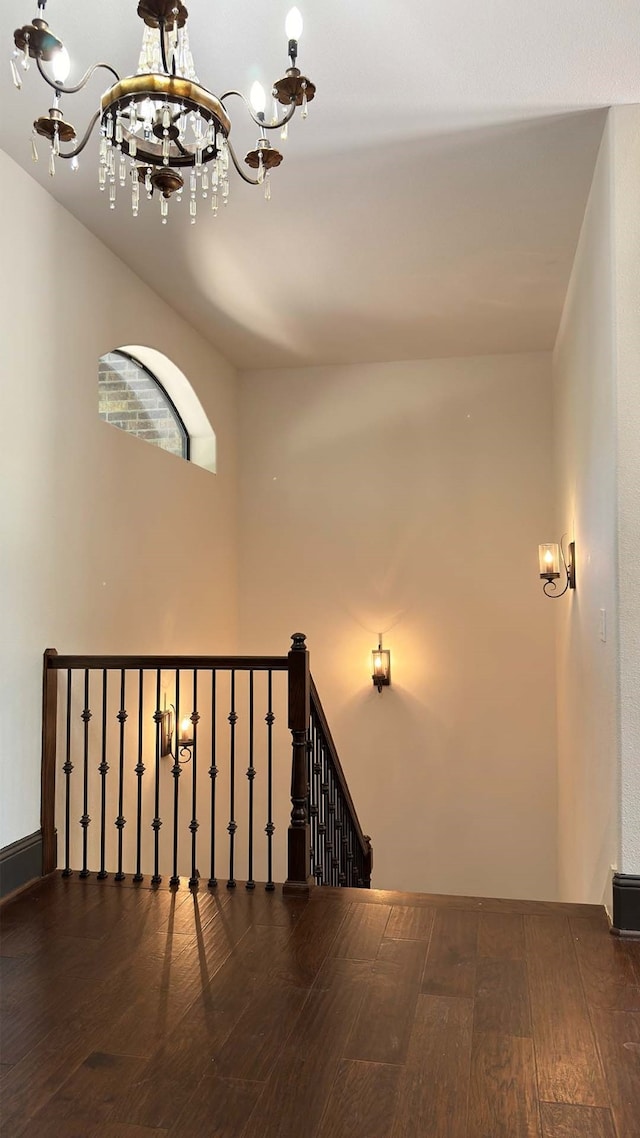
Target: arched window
point(132, 398)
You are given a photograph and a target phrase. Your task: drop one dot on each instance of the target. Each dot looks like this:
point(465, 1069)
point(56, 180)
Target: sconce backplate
point(571, 565)
point(166, 732)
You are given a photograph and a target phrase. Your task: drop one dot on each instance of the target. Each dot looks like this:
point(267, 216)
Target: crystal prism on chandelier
point(162, 134)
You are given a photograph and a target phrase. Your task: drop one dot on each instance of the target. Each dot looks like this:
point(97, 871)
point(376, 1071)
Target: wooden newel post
point(299, 879)
point(48, 788)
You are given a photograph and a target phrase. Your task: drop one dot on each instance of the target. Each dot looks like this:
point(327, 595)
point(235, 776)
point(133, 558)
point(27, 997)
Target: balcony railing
point(168, 767)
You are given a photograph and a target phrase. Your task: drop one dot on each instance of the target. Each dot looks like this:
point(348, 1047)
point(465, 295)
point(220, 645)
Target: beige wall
point(584, 370)
point(409, 499)
point(403, 498)
point(625, 125)
point(597, 427)
point(108, 544)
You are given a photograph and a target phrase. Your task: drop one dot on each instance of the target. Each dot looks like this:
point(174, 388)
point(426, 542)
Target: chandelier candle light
point(160, 130)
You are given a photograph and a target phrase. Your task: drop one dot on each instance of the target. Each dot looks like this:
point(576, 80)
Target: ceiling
point(429, 206)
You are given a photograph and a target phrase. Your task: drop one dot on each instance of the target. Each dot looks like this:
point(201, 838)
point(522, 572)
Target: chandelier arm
point(245, 177)
point(163, 49)
point(83, 82)
point(259, 122)
point(87, 135)
point(183, 150)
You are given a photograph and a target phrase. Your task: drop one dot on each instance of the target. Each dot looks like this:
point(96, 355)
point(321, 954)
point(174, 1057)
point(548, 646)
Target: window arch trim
point(186, 438)
point(203, 448)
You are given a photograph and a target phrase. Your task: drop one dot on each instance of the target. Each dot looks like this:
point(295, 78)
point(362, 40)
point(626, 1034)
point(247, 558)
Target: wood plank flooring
point(133, 1013)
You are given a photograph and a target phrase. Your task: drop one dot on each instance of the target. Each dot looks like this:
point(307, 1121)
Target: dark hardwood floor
point(132, 1013)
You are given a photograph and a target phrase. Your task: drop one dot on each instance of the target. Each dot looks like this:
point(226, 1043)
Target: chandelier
point(161, 131)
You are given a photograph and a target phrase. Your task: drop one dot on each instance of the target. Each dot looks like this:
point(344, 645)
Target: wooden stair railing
point(112, 715)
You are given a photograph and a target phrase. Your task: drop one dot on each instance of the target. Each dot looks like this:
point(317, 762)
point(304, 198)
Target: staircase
point(173, 767)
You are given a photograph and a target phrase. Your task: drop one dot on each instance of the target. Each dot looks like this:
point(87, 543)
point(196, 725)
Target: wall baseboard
point(626, 905)
point(20, 863)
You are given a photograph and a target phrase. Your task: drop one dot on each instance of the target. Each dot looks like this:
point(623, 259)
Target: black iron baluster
point(339, 834)
point(67, 769)
point(322, 819)
point(103, 770)
point(157, 821)
point(311, 806)
point(323, 814)
point(251, 774)
point(329, 843)
point(120, 820)
point(333, 808)
point(317, 770)
point(85, 821)
point(313, 810)
point(213, 775)
point(345, 845)
point(176, 771)
point(342, 880)
point(326, 838)
point(270, 828)
point(332, 826)
point(232, 827)
point(139, 771)
point(320, 805)
point(193, 825)
point(350, 857)
point(337, 853)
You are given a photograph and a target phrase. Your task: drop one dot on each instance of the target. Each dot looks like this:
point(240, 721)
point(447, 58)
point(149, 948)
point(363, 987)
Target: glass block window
point(132, 399)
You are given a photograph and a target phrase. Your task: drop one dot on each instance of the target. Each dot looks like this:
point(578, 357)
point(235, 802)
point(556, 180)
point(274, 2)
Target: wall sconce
point(554, 564)
point(185, 737)
point(381, 666)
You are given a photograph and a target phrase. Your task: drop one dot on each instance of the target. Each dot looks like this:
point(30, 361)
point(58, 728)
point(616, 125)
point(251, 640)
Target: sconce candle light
point(553, 564)
point(381, 666)
point(185, 739)
point(186, 733)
